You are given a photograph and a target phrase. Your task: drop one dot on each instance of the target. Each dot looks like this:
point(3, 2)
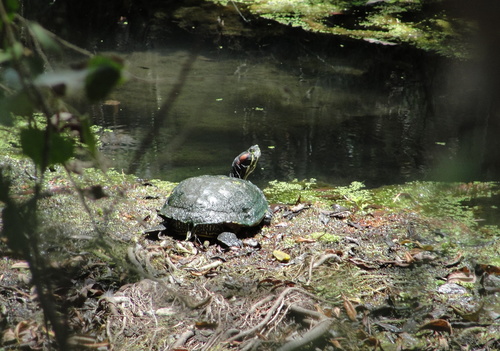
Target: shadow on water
point(337, 115)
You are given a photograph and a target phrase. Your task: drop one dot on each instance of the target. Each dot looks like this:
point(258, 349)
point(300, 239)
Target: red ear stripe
point(243, 158)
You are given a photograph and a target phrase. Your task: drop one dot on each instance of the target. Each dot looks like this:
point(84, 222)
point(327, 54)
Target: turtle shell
point(214, 201)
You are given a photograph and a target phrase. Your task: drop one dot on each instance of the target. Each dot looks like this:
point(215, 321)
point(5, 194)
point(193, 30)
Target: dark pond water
point(336, 112)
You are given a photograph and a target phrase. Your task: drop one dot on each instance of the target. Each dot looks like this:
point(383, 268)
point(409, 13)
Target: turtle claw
point(229, 239)
point(153, 233)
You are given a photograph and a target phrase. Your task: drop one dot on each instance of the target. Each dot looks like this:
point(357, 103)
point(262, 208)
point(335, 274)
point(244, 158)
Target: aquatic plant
point(422, 25)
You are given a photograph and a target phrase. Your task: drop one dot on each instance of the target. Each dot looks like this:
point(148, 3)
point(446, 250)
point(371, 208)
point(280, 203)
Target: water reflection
point(337, 118)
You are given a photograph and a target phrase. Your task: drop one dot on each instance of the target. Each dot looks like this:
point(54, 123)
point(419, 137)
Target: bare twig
point(209, 266)
point(309, 277)
point(239, 12)
point(59, 39)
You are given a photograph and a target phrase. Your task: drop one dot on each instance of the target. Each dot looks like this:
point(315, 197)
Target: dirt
point(326, 274)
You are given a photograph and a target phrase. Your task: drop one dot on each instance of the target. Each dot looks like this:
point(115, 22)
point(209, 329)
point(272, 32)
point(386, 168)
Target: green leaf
point(100, 82)
point(36, 65)
point(5, 115)
point(19, 105)
point(43, 36)
point(88, 137)
point(32, 141)
point(63, 148)
point(11, 6)
point(33, 144)
point(105, 73)
point(5, 56)
point(99, 61)
point(16, 50)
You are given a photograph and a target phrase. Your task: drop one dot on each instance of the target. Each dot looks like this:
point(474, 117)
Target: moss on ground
point(388, 263)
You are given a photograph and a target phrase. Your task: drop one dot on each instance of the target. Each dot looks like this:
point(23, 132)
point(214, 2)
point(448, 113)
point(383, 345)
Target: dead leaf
point(424, 256)
point(200, 273)
point(333, 251)
point(336, 312)
point(487, 268)
point(462, 275)
point(472, 316)
point(408, 257)
point(25, 331)
point(206, 325)
point(439, 325)
point(8, 337)
point(304, 240)
point(335, 342)
point(372, 341)
point(281, 256)
point(20, 265)
point(349, 308)
point(363, 264)
point(405, 241)
point(327, 311)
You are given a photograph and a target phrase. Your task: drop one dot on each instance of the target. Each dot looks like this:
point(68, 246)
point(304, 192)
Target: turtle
point(208, 205)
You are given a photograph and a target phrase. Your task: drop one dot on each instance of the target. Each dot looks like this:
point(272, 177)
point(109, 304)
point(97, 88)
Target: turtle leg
point(191, 230)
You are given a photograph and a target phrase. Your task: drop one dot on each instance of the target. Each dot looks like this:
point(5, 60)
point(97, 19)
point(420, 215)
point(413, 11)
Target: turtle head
point(245, 163)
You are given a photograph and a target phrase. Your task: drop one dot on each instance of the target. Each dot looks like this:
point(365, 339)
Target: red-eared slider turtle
point(210, 205)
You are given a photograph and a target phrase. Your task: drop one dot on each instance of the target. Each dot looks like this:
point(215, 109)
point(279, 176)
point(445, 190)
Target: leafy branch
point(50, 134)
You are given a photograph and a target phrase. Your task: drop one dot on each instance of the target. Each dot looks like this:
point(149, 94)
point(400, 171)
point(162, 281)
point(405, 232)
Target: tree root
point(312, 335)
point(182, 339)
point(269, 315)
point(306, 312)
